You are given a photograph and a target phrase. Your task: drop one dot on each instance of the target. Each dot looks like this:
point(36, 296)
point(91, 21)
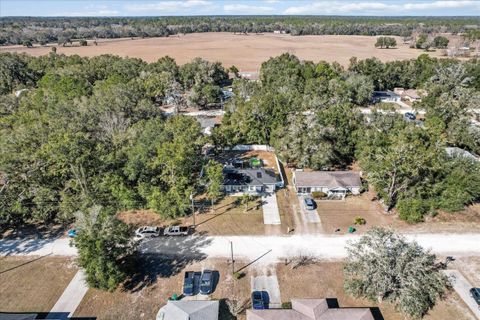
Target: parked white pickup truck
point(175, 231)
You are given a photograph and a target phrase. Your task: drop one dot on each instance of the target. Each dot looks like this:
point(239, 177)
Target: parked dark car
point(309, 203)
point(410, 116)
point(475, 293)
point(189, 283)
point(206, 282)
point(259, 301)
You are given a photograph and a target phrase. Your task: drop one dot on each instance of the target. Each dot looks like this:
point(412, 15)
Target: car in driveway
point(259, 300)
point(189, 283)
point(147, 232)
point(206, 282)
point(475, 293)
point(309, 203)
point(410, 116)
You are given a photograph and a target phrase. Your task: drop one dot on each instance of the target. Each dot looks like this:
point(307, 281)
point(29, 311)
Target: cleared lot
point(33, 284)
point(247, 52)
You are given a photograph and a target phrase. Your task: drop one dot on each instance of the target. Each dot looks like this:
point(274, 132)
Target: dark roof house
point(255, 180)
point(311, 309)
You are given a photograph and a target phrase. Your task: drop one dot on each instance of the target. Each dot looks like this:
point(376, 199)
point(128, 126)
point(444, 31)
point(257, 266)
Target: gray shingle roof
point(189, 310)
point(330, 179)
point(311, 309)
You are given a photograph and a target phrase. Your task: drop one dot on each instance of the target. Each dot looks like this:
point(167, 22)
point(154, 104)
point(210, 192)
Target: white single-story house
point(329, 182)
point(253, 181)
point(189, 310)
point(410, 94)
point(385, 96)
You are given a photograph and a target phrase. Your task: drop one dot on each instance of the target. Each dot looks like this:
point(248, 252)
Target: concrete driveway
point(462, 287)
point(271, 214)
point(309, 216)
point(269, 284)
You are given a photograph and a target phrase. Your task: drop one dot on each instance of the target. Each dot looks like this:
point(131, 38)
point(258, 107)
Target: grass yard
point(145, 303)
point(33, 284)
point(341, 214)
point(325, 280)
point(318, 280)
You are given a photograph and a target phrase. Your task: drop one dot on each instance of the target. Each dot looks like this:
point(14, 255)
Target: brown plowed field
point(247, 52)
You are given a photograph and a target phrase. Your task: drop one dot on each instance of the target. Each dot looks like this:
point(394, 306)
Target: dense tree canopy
point(383, 266)
point(88, 131)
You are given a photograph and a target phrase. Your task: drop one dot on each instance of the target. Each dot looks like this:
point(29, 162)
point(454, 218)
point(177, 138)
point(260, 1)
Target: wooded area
point(63, 30)
point(90, 132)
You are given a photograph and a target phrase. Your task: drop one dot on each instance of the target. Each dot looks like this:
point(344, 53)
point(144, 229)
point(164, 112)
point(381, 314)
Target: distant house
point(208, 123)
point(458, 152)
point(385, 96)
point(189, 310)
point(253, 75)
point(409, 94)
point(329, 182)
point(253, 181)
point(311, 309)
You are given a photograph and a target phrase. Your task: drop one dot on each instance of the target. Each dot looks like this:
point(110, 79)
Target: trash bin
point(351, 229)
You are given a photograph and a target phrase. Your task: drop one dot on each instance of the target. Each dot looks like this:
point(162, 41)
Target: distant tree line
point(62, 30)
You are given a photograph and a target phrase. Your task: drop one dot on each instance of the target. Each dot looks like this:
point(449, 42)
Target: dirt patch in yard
point(33, 284)
point(325, 280)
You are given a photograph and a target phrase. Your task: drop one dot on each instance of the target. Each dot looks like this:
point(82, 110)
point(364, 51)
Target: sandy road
point(267, 249)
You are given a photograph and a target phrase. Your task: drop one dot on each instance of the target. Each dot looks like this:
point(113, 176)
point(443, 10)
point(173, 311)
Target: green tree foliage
point(383, 266)
point(214, 179)
point(440, 42)
point(423, 42)
point(385, 42)
point(104, 243)
point(89, 133)
point(398, 160)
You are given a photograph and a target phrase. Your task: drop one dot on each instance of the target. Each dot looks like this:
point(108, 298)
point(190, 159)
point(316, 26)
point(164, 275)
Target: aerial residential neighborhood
point(239, 160)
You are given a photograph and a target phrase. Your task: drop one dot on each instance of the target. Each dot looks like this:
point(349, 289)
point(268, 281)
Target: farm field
point(247, 52)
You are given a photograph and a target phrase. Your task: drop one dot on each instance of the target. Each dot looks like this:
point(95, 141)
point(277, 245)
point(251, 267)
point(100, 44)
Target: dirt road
point(268, 249)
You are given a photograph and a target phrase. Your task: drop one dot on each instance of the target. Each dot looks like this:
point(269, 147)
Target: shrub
point(412, 210)
point(238, 275)
point(359, 221)
point(286, 305)
point(319, 195)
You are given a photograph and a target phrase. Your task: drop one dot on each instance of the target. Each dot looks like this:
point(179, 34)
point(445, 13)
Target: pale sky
point(238, 7)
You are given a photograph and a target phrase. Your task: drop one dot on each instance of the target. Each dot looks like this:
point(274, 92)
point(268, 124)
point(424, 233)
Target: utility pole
point(233, 261)
point(193, 210)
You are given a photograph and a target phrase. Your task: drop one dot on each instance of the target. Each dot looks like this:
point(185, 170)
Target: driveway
point(70, 298)
point(270, 209)
point(462, 287)
point(308, 215)
point(269, 284)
